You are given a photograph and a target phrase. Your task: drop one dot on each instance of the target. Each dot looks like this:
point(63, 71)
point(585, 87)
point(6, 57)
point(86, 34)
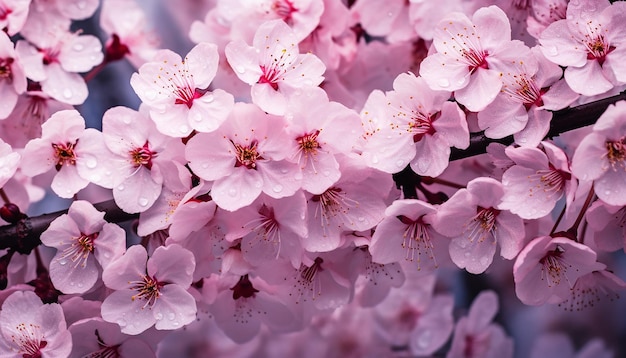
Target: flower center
point(476, 59)
point(284, 9)
point(308, 143)
point(616, 152)
point(142, 156)
point(550, 181)
point(30, 340)
point(422, 125)
point(482, 225)
point(247, 156)
point(79, 250)
point(243, 288)
point(148, 290)
point(597, 47)
point(416, 240)
point(64, 154)
point(553, 269)
point(5, 68)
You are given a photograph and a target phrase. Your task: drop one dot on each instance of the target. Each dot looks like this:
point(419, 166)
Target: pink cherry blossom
point(608, 224)
point(472, 219)
point(537, 181)
point(12, 77)
point(476, 336)
point(132, 158)
point(177, 91)
point(419, 127)
point(31, 329)
point(547, 269)
point(244, 157)
point(384, 18)
point(592, 288)
point(406, 233)
point(374, 281)
point(470, 56)
point(68, 147)
point(85, 245)
point(601, 156)
point(13, 15)
point(273, 66)
point(150, 291)
point(55, 56)
point(94, 337)
point(590, 42)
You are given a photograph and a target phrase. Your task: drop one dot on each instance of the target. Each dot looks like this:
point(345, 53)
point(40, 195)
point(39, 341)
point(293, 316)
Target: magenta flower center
point(597, 47)
point(476, 59)
point(247, 156)
point(30, 340)
point(308, 143)
point(4, 11)
point(142, 156)
point(284, 9)
point(5, 68)
point(422, 125)
point(64, 154)
point(147, 289)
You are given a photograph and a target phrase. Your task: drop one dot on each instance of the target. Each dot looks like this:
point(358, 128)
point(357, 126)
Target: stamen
point(416, 241)
point(64, 154)
point(148, 290)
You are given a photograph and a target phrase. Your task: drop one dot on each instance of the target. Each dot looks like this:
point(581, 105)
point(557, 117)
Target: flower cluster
point(292, 174)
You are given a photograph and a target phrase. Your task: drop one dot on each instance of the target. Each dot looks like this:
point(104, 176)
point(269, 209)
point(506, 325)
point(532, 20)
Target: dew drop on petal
point(443, 83)
point(326, 173)
point(143, 201)
point(78, 47)
point(400, 163)
point(204, 165)
point(91, 162)
point(302, 216)
point(183, 129)
point(258, 184)
point(208, 98)
point(284, 171)
point(277, 188)
point(171, 316)
point(81, 5)
point(232, 192)
point(553, 51)
point(120, 187)
point(197, 117)
point(121, 322)
point(67, 93)
point(63, 262)
point(390, 14)
point(361, 219)
point(375, 160)
point(158, 316)
point(607, 192)
point(467, 254)
point(425, 339)
point(175, 323)
point(240, 70)
point(80, 285)
point(126, 119)
point(308, 82)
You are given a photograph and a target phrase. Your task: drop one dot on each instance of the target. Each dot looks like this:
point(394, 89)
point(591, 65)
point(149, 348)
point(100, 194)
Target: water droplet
point(390, 14)
point(308, 82)
point(425, 339)
point(298, 176)
point(107, 255)
point(607, 192)
point(67, 93)
point(461, 82)
point(240, 69)
point(143, 201)
point(467, 254)
point(150, 95)
point(232, 192)
point(443, 83)
point(81, 5)
point(205, 165)
point(208, 98)
point(121, 322)
point(72, 284)
point(78, 47)
point(258, 184)
point(197, 117)
point(326, 173)
point(183, 129)
point(361, 219)
point(63, 262)
point(91, 162)
point(126, 119)
point(96, 178)
point(284, 171)
point(175, 323)
point(375, 160)
point(277, 188)
point(584, 177)
point(302, 216)
point(158, 316)
point(80, 285)
point(120, 187)
point(523, 140)
point(171, 316)
point(400, 163)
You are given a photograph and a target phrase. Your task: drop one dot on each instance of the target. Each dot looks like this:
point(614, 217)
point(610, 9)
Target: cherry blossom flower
point(67, 8)
point(476, 336)
point(55, 56)
point(559, 345)
point(406, 233)
point(537, 181)
point(545, 12)
point(319, 135)
point(591, 288)
point(68, 147)
point(240, 313)
point(608, 223)
point(601, 156)
point(94, 337)
point(547, 269)
point(531, 87)
point(384, 18)
point(470, 56)
point(590, 42)
point(244, 157)
point(132, 159)
point(373, 280)
point(177, 91)
point(13, 15)
point(31, 329)
point(472, 219)
point(12, 77)
point(273, 66)
point(126, 23)
point(419, 127)
point(150, 291)
point(85, 245)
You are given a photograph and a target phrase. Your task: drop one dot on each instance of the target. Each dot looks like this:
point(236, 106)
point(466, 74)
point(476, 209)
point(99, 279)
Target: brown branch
point(24, 235)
